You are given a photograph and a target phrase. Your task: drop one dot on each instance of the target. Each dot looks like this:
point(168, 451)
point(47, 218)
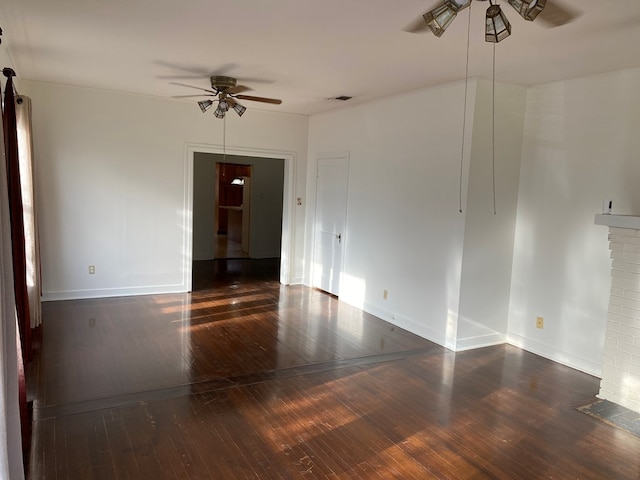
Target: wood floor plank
point(249, 379)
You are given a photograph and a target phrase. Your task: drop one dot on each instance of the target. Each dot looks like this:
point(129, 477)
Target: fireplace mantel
point(619, 221)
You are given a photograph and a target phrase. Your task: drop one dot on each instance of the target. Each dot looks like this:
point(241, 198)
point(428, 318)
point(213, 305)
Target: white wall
point(267, 182)
point(581, 146)
point(111, 188)
point(404, 231)
point(111, 185)
point(488, 237)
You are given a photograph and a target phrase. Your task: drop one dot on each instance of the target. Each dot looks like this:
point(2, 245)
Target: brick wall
point(621, 366)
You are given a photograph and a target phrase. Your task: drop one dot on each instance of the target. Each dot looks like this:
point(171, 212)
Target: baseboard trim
point(112, 292)
point(407, 323)
point(547, 351)
point(480, 341)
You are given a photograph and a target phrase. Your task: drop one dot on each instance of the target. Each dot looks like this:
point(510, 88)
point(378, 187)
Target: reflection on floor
point(227, 248)
point(210, 274)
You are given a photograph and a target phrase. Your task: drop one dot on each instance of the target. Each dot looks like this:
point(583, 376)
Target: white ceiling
point(302, 51)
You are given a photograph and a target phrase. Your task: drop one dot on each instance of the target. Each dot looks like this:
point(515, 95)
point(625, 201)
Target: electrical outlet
point(539, 322)
point(92, 269)
point(385, 294)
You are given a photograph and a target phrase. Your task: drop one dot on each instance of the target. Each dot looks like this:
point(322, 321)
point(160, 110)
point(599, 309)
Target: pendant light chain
point(224, 139)
point(464, 113)
point(493, 130)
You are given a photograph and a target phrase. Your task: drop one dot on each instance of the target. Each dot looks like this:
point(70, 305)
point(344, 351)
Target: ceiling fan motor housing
point(222, 83)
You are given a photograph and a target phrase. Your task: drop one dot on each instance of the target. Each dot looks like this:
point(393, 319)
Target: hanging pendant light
point(528, 9)
point(497, 27)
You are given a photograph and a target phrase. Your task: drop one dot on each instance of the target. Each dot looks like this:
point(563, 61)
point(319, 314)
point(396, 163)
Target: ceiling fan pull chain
point(464, 113)
point(493, 130)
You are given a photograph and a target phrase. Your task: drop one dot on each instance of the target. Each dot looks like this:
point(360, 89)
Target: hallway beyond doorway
point(227, 248)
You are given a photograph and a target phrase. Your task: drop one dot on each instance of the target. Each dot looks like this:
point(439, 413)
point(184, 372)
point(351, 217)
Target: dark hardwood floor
point(245, 378)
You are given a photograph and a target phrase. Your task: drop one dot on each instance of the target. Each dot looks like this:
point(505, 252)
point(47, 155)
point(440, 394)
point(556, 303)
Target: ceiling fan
point(226, 92)
point(552, 13)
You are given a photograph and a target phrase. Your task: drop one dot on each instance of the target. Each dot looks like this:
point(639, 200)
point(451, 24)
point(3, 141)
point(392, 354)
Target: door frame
point(288, 212)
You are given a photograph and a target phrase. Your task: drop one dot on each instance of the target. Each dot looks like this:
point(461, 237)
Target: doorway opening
point(238, 213)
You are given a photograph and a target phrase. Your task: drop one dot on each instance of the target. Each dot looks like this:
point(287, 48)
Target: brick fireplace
point(621, 361)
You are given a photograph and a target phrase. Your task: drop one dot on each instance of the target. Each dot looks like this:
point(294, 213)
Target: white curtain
point(10, 436)
point(32, 248)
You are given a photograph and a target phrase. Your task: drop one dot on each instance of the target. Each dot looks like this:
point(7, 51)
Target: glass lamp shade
point(223, 108)
point(458, 5)
point(440, 18)
point(205, 105)
point(535, 7)
point(240, 109)
point(519, 6)
point(528, 9)
point(498, 27)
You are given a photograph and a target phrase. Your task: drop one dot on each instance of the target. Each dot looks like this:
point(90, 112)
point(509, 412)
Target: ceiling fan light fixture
point(223, 108)
point(223, 105)
point(519, 6)
point(528, 9)
point(440, 18)
point(458, 5)
point(205, 105)
point(497, 26)
point(239, 109)
point(535, 7)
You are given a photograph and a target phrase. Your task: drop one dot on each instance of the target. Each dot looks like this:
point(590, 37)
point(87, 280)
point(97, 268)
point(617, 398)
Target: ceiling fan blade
point(191, 86)
point(556, 14)
point(251, 98)
point(193, 96)
point(238, 89)
point(417, 26)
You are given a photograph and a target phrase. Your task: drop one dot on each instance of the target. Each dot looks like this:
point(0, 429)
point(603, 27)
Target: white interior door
point(331, 214)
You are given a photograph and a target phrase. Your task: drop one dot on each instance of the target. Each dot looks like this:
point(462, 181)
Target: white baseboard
point(407, 323)
point(547, 351)
point(112, 292)
point(480, 341)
